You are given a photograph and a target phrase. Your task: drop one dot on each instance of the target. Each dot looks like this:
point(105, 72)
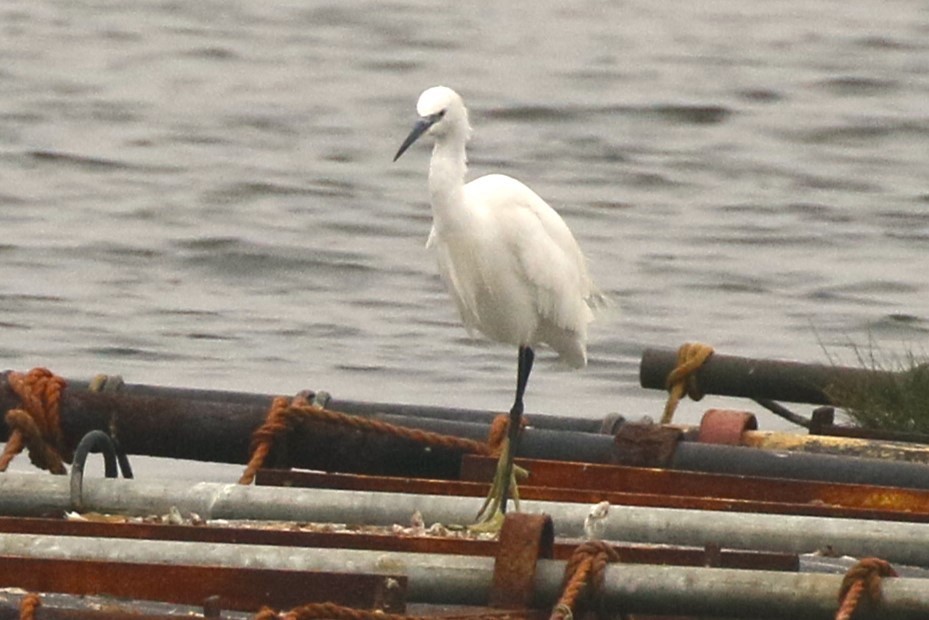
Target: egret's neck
point(446, 181)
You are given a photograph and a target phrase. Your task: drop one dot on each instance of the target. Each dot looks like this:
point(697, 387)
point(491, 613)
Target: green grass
point(893, 396)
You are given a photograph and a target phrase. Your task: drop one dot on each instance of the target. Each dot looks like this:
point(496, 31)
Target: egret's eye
point(435, 118)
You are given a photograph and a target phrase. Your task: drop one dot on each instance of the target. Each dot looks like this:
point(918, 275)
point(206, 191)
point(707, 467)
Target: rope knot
point(586, 568)
point(282, 417)
point(36, 424)
point(862, 580)
point(499, 428)
point(683, 379)
point(27, 606)
point(266, 613)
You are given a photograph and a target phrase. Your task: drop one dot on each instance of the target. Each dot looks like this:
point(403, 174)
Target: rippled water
point(201, 193)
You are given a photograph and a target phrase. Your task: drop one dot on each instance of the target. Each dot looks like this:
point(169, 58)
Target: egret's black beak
point(421, 126)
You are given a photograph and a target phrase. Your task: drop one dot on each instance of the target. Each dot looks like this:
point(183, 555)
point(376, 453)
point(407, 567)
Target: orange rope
point(36, 424)
point(683, 379)
point(27, 606)
point(586, 568)
point(277, 421)
point(266, 613)
point(285, 414)
point(497, 434)
point(499, 428)
point(862, 580)
point(413, 434)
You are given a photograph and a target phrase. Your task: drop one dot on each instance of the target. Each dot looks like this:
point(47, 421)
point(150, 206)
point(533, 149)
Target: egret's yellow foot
point(490, 516)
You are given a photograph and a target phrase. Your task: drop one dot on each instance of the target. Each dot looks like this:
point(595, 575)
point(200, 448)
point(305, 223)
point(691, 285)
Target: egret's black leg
point(490, 517)
point(524, 367)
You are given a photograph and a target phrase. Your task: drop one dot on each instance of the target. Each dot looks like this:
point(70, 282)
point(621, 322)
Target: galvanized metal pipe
point(729, 375)
point(463, 580)
point(33, 495)
point(433, 578)
point(658, 590)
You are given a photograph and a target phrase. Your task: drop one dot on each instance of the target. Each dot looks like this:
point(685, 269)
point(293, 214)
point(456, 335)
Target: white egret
point(506, 257)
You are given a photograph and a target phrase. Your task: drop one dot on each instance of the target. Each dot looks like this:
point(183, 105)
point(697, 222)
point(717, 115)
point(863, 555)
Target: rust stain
point(853, 445)
point(237, 588)
point(524, 540)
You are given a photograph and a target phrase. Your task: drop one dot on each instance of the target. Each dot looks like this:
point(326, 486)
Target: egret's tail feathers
point(570, 345)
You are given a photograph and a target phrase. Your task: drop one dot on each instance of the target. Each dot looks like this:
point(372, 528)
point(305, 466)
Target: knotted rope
point(499, 429)
point(862, 580)
point(36, 424)
point(586, 568)
point(27, 606)
point(683, 379)
point(280, 420)
point(285, 414)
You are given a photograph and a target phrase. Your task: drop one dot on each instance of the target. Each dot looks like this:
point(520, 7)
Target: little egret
point(508, 260)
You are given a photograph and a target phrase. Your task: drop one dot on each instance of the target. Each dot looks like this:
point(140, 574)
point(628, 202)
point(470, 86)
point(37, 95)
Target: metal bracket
point(644, 444)
point(524, 539)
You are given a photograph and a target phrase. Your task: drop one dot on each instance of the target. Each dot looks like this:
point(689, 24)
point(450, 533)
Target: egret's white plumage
point(509, 261)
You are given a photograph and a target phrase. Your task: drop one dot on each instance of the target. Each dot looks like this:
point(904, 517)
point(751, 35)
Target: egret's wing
point(543, 248)
point(461, 289)
point(560, 278)
point(575, 262)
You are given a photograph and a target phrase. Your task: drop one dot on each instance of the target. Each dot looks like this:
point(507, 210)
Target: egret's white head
point(441, 113)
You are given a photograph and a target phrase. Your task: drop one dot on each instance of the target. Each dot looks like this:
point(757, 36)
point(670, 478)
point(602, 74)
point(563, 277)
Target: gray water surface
point(202, 193)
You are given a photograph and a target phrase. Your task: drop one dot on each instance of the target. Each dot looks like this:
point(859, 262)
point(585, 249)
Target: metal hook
point(96, 441)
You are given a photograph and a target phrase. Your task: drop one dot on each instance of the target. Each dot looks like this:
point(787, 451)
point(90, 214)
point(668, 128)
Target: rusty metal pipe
point(355, 407)
point(737, 460)
point(541, 443)
point(732, 427)
point(536, 420)
point(235, 587)
point(208, 430)
point(32, 495)
point(728, 375)
point(443, 579)
point(57, 606)
point(838, 446)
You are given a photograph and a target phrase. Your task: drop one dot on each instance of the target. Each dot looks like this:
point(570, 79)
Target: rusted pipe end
point(725, 426)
